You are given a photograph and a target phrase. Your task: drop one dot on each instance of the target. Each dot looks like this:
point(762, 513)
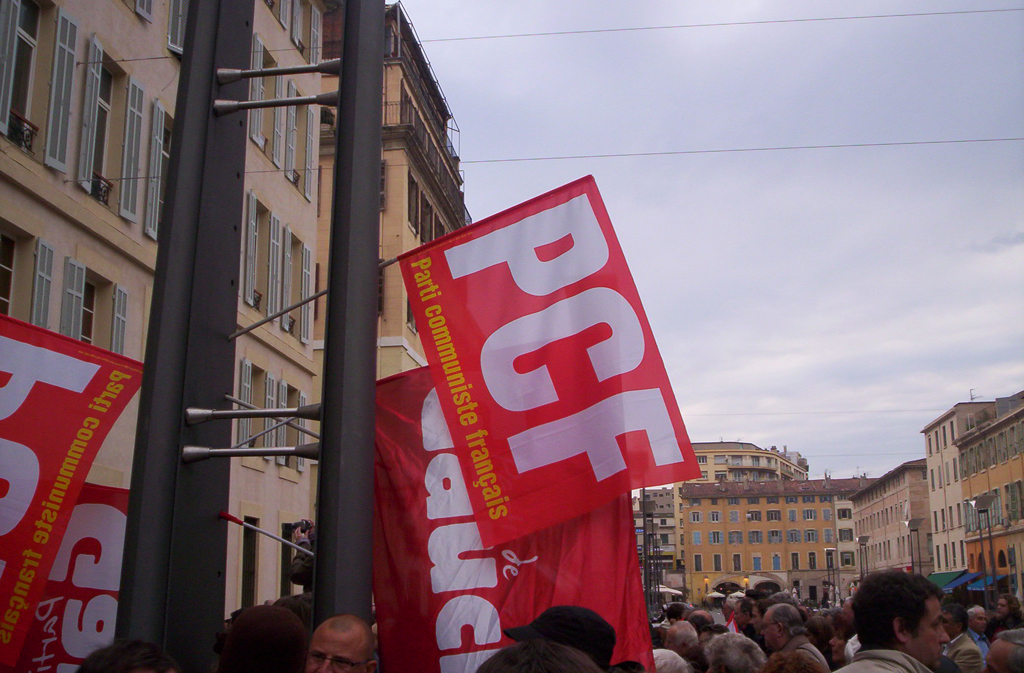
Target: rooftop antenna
point(973, 396)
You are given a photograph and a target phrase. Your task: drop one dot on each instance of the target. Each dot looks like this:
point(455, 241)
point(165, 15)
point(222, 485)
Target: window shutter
point(90, 108)
point(285, 12)
point(244, 425)
point(178, 12)
point(132, 151)
point(286, 275)
point(269, 402)
point(251, 237)
point(144, 8)
point(256, 92)
point(311, 153)
point(74, 294)
point(274, 266)
point(9, 12)
point(289, 150)
point(60, 92)
point(314, 34)
point(278, 143)
point(306, 322)
point(297, 21)
point(41, 286)
point(282, 432)
point(300, 462)
point(117, 330)
point(156, 155)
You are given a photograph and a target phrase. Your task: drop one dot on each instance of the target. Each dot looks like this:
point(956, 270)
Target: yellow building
point(741, 461)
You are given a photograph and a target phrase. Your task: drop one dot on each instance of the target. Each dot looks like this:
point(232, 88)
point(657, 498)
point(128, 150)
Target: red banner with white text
point(433, 576)
point(545, 363)
point(77, 611)
point(58, 400)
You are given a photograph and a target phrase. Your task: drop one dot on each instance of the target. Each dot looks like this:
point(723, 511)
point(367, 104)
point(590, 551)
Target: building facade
point(741, 461)
point(892, 519)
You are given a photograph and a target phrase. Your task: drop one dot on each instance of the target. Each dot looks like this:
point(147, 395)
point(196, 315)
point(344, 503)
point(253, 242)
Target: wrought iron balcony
point(21, 131)
point(100, 188)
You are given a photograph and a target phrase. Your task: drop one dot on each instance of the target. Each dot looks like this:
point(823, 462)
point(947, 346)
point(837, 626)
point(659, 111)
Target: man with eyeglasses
point(341, 644)
point(783, 631)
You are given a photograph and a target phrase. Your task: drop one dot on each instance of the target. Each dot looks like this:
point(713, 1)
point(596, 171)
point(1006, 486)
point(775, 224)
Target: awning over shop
point(963, 579)
point(984, 582)
point(942, 579)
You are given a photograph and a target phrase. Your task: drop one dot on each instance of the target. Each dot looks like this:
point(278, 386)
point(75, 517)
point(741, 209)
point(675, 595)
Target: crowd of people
point(896, 622)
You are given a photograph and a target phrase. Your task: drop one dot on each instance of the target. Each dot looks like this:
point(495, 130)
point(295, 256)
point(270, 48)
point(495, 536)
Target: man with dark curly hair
point(898, 618)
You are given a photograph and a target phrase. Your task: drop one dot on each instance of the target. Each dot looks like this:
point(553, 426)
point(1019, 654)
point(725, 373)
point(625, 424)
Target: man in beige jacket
point(961, 648)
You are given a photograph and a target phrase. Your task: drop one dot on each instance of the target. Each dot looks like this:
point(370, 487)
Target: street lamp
point(863, 542)
point(983, 503)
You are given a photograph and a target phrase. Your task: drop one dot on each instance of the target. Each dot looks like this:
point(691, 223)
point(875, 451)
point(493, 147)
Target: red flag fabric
point(545, 363)
point(58, 400)
point(76, 613)
point(433, 577)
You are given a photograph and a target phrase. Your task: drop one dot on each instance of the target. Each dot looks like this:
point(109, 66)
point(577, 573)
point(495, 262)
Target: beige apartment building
point(773, 536)
point(892, 520)
point(742, 461)
point(990, 444)
point(87, 99)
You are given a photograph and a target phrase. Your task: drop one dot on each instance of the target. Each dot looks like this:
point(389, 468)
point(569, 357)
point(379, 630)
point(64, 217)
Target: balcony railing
point(100, 188)
point(21, 131)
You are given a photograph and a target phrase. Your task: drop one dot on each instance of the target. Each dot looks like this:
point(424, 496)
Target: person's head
point(574, 626)
point(1008, 606)
point(711, 630)
point(667, 661)
point(700, 619)
point(977, 619)
point(128, 656)
point(819, 632)
point(682, 638)
point(896, 610)
point(744, 612)
point(760, 607)
point(781, 624)
point(789, 662)
point(729, 607)
point(954, 619)
point(1007, 653)
point(264, 638)
point(674, 612)
point(784, 597)
point(346, 640)
point(842, 630)
point(539, 655)
point(851, 624)
point(301, 605)
point(733, 653)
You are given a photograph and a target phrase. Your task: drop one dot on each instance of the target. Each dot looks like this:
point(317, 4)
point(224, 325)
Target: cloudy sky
point(832, 299)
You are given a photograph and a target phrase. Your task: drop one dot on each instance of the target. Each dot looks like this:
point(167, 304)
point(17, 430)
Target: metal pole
point(646, 550)
point(342, 569)
point(172, 579)
point(981, 556)
point(992, 558)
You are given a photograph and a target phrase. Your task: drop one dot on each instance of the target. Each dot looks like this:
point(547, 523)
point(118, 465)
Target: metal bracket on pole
point(223, 107)
point(229, 75)
point(194, 416)
point(193, 454)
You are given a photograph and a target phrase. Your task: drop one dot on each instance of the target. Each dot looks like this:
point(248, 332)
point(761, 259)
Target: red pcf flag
point(58, 400)
point(442, 597)
point(545, 364)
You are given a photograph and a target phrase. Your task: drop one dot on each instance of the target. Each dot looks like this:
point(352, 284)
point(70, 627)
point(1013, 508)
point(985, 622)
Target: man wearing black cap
point(574, 626)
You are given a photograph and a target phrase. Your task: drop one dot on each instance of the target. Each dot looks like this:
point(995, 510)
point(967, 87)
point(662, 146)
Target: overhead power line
point(717, 25)
point(816, 413)
point(741, 149)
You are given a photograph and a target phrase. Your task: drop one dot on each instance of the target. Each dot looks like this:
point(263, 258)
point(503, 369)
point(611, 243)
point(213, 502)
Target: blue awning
point(980, 584)
point(963, 579)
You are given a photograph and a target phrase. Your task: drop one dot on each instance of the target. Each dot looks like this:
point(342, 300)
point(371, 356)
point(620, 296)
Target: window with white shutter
point(42, 282)
point(286, 277)
point(311, 154)
point(132, 152)
point(256, 93)
point(74, 296)
point(156, 163)
point(296, 28)
point(306, 322)
point(10, 10)
point(177, 13)
point(315, 30)
point(120, 323)
point(274, 266)
point(244, 425)
point(61, 80)
point(290, 132)
point(300, 462)
point(144, 8)
point(251, 240)
point(90, 114)
point(277, 146)
point(282, 432)
point(269, 402)
point(284, 11)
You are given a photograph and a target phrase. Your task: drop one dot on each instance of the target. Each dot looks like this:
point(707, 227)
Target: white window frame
point(315, 33)
point(306, 288)
point(42, 284)
point(256, 92)
point(284, 12)
point(282, 432)
point(144, 8)
point(61, 86)
point(176, 17)
point(120, 320)
point(131, 158)
point(269, 402)
point(10, 12)
point(277, 145)
point(291, 131)
point(300, 462)
point(274, 266)
point(251, 242)
point(286, 275)
point(311, 154)
point(90, 113)
point(156, 161)
point(296, 28)
point(72, 299)
point(244, 425)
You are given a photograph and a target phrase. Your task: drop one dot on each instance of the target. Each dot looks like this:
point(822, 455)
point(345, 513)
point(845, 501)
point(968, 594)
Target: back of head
point(539, 656)
point(884, 596)
point(700, 619)
point(819, 631)
point(789, 662)
point(1013, 604)
point(1015, 661)
point(681, 636)
point(735, 653)
point(783, 597)
point(574, 626)
point(126, 656)
point(788, 616)
point(264, 638)
point(674, 611)
point(746, 606)
point(667, 661)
